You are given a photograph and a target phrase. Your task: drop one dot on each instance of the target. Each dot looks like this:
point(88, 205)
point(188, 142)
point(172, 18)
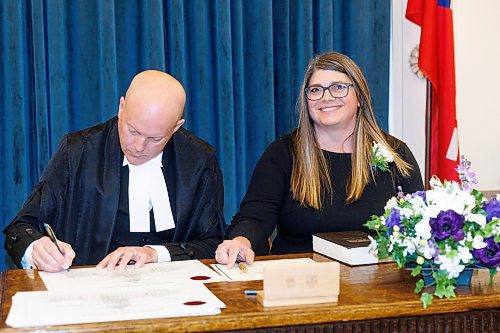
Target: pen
point(242, 267)
point(52, 237)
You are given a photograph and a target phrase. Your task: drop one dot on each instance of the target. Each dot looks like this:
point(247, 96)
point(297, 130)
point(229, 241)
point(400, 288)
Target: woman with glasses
point(330, 174)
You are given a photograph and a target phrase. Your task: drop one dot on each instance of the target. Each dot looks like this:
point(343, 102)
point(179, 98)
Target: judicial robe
point(78, 195)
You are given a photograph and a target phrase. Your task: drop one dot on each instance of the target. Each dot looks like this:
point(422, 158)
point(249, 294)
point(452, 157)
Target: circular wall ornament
point(414, 62)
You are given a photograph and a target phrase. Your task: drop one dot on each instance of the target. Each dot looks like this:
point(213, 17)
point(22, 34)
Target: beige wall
point(477, 66)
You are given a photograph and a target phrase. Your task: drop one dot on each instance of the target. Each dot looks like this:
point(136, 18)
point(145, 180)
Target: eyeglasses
point(337, 90)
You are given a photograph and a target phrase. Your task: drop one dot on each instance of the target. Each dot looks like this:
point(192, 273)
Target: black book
point(350, 247)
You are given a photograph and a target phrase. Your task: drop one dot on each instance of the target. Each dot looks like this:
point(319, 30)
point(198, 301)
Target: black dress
point(268, 202)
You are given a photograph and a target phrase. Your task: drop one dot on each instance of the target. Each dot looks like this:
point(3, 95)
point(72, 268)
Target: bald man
point(137, 188)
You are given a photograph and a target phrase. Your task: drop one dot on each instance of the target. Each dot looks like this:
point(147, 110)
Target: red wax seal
point(194, 303)
point(200, 277)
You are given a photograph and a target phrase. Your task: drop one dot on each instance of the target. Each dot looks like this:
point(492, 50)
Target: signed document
point(43, 308)
point(254, 271)
point(84, 295)
point(166, 273)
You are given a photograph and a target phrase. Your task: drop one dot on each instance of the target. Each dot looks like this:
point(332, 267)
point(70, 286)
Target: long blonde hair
point(311, 182)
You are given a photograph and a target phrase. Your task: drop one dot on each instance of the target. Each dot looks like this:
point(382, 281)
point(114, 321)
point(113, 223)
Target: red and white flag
point(437, 62)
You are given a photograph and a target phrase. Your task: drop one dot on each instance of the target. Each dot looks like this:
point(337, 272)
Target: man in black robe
point(100, 195)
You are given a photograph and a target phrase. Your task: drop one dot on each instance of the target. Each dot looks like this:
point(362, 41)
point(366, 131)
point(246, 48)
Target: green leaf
point(487, 231)
point(382, 249)
point(493, 271)
point(441, 283)
point(478, 195)
point(449, 291)
point(372, 222)
point(399, 259)
point(416, 270)
point(426, 299)
point(452, 253)
point(383, 167)
point(418, 286)
point(440, 290)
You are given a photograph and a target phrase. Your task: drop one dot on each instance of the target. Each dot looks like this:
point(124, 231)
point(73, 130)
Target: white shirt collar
point(155, 160)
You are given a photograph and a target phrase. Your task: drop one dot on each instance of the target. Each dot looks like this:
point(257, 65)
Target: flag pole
point(428, 112)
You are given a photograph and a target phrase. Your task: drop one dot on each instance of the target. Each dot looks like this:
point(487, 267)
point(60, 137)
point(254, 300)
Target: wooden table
point(373, 298)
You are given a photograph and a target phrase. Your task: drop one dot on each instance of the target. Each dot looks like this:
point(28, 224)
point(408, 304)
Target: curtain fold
point(64, 65)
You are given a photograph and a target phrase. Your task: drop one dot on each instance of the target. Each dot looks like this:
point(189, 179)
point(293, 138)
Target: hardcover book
point(350, 247)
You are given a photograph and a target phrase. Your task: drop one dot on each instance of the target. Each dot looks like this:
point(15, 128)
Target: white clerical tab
point(147, 186)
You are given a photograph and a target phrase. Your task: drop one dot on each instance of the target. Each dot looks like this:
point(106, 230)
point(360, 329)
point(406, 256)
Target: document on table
point(254, 271)
point(83, 295)
point(43, 308)
point(158, 274)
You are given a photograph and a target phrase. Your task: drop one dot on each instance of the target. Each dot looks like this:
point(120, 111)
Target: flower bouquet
point(447, 228)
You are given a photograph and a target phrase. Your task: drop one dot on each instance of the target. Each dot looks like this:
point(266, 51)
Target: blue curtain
point(64, 65)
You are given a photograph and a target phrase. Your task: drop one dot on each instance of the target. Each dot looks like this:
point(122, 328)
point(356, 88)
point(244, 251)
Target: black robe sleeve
point(201, 234)
point(26, 227)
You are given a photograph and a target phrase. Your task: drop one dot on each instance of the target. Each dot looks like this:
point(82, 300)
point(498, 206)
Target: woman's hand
point(236, 249)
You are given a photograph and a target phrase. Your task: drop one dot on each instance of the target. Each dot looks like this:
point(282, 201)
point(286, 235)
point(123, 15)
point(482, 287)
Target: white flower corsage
point(381, 157)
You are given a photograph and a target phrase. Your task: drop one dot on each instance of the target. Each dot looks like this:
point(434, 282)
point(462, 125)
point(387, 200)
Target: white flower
point(373, 245)
point(450, 265)
point(435, 182)
point(423, 229)
point(464, 254)
point(381, 157)
point(463, 202)
point(432, 211)
point(477, 218)
point(441, 199)
point(428, 252)
point(395, 239)
point(427, 248)
point(382, 153)
point(410, 248)
point(406, 212)
point(496, 229)
point(392, 203)
point(382, 220)
point(418, 204)
point(478, 242)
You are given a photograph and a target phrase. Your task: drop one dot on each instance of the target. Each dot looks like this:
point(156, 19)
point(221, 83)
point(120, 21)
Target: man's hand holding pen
point(47, 257)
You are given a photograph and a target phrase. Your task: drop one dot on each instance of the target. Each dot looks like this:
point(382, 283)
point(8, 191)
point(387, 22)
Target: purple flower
point(393, 219)
point(466, 176)
point(419, 194)
point(467, 187)
point(492, 208)
point(431, 251)
point(447, 223)
point(488, 256)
